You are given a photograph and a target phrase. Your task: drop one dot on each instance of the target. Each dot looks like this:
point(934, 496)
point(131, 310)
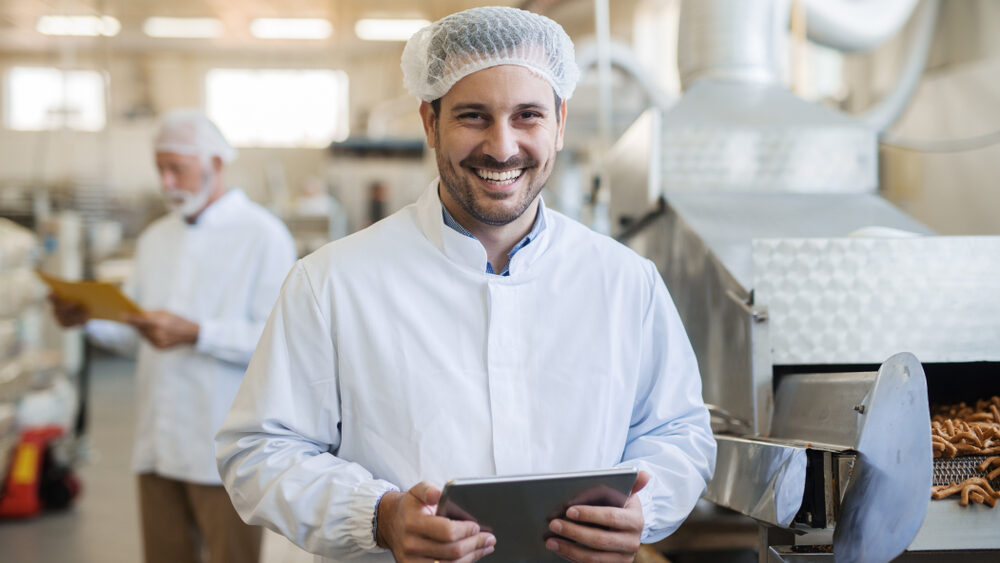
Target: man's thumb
point(426, 493)
point(640, 481)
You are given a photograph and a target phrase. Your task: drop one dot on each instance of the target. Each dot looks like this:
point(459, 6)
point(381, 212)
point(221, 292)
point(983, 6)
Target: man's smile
point(498, 177)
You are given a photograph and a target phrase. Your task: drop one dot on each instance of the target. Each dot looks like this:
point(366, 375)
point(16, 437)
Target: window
point(278, 108)
point(41, 98)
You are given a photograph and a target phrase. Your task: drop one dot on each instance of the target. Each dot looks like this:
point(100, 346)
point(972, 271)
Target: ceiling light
point(91, 26)
point(291, 28)
point(187, 28)
point(388, 29)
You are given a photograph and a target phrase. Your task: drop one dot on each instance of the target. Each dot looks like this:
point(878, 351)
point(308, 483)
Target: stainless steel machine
point(820, 321)
point(825, 320)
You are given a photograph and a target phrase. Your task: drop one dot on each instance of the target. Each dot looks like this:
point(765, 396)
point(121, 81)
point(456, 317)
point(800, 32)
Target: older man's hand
point(407, 525)
point(68, 313)
point(164, 329)
point(617, 539)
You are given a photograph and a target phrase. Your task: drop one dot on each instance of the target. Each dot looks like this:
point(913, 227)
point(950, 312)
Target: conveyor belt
point(958, 469)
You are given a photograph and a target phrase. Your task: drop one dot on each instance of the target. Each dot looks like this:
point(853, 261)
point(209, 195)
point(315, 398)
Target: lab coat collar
point(469, 252)
point(222, 209)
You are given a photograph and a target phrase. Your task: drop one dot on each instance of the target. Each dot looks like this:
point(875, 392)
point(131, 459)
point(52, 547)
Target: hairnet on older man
point(189, 131)
point(441, 54)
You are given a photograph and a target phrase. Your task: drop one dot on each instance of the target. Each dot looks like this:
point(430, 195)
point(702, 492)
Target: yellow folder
point(101, 299)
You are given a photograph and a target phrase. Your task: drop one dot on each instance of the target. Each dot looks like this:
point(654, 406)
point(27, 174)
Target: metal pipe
point(883, 114)
point(853, 25)
point(732, 40)
point(622, 57)
point(602, 25)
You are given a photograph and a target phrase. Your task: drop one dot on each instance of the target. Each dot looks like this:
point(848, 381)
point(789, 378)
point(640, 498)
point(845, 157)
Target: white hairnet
point(189, 131)
point(441, 54)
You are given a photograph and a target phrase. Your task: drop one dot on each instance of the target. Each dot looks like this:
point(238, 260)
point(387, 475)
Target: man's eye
point(471, 116)
point(530, 115)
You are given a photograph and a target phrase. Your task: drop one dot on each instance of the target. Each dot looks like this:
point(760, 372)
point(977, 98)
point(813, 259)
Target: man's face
point(188, 182)
point(496, 140)
point(179, 173)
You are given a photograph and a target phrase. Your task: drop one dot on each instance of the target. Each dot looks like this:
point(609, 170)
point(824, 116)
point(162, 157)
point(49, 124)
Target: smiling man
point(473, 333)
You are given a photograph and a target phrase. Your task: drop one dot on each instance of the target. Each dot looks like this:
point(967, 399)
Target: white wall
point(958, 97)
point(952, 192)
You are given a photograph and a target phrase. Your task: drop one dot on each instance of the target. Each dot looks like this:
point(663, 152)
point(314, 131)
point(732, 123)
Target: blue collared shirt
point(536, 230)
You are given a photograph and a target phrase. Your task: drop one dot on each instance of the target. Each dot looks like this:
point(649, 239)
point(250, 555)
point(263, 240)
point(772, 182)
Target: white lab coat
point(392, 357)
point(224, 272)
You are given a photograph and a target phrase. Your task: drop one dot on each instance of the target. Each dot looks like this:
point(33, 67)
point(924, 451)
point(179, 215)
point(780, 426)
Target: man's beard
point(188, 203)
point(464, 191)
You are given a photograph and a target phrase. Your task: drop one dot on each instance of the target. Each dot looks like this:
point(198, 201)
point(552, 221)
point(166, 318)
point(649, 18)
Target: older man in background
point(206, 276)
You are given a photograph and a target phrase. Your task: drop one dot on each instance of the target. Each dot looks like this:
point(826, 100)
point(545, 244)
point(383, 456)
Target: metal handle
point(758, 314)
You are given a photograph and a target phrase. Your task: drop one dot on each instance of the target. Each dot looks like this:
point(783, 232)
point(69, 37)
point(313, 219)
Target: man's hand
point(68, 313)
point(407, 526)
point(619, 541)
point(163, 329)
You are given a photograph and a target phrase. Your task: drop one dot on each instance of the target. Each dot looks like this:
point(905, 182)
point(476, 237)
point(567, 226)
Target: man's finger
point(425, 493)
point(137, 320)
point(451, 551)
point(575, 552)
point(477, 554)
point(596, 538)
point(628, 519)
point(566, 550)
point(443, 530)
point(640, 481)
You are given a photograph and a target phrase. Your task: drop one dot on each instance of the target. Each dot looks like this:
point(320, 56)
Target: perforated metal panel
point(800, 160)
point(860, 300)
point(752, 137)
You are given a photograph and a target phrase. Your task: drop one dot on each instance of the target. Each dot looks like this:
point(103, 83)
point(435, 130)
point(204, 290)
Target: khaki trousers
point(191, 523)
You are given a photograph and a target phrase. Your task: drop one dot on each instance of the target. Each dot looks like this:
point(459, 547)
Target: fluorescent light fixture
point(378, 29)
point(186, 28)
point(291, 28)
point(90, 26)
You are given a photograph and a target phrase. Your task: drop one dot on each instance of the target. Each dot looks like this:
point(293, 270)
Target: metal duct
point(731, 40)
point(738, 128)
point(883, 114)
point(856, 25)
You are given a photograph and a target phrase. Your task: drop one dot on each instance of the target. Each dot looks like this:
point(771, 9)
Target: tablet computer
point(517, 508)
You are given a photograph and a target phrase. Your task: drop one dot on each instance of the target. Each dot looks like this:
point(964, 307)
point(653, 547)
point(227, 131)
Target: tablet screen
point(517, 509)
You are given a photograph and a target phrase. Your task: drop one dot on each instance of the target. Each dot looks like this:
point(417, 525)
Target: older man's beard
point(462, 189)
point(188, 203)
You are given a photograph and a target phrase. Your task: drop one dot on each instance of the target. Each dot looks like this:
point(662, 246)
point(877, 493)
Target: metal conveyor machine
point(820, 322)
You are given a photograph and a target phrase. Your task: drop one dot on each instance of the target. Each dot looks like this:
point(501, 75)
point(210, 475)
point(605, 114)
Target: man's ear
point(216, 164)
point(562, 125)
point(429, 119)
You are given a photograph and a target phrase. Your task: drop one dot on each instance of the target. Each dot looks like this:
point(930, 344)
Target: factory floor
point(102, 526)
